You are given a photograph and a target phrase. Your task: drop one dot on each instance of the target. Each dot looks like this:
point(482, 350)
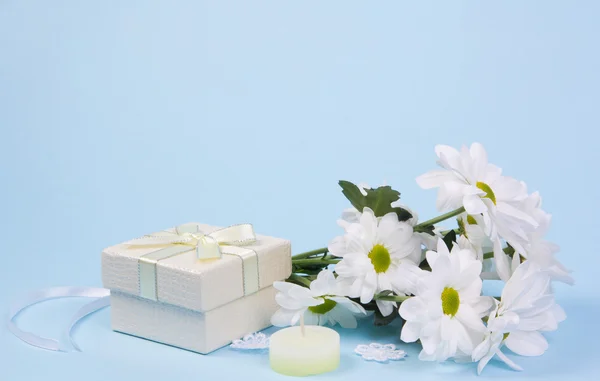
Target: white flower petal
point(470, 318)
point(413, 309)
point(483, 305)
point(435, 178)
point(284, 286)
point(431, 257)
point(368, 287)
point(357, 239)
point(479, 157)
point(369, 222)
point(302, 295)
point(337, 247)
point(463, 339)
point(501, 261)
point(324, 284)
point(388, 225)
point(450, 195)
point(474, 205)
point(449, 156)
point(511, 211)
point(410, 331)
point(526, 343)
point(483, 362)
point(311, 318)
point(283, 317)
point(481, 349)
point(349, 305)
point(446, 328)
point(383, 282)
point(405, 278)
point(386, 307)
point(508, 361)
point(470, 273)
point(343, 317)
point(351, 215)
point(559, 313)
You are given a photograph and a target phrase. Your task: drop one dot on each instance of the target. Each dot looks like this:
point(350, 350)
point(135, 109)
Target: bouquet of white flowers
point(390, 263)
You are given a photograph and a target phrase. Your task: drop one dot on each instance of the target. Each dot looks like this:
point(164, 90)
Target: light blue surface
point(120, 118)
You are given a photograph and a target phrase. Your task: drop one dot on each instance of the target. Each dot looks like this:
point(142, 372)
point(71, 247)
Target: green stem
point(444, 232)
point(508, 250)
point(441, 218)
point(308, 254)
point(392, 298)
point(316, 261)
point(299, 279)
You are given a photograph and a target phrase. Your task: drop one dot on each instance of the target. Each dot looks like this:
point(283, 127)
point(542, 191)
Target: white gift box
point(163, 292)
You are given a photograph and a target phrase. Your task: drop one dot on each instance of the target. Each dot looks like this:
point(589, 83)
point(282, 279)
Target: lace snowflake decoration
point(252, 341)
point(379, 352)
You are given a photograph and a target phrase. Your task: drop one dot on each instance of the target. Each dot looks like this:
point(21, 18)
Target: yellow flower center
point(489, 193)
point(322, 309)
point(505, 336)
point(471, 219)
point(450, 301)
point(461, 224)
point(380, 258)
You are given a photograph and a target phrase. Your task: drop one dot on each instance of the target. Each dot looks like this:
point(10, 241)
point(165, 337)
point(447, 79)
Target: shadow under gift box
point(201, 305)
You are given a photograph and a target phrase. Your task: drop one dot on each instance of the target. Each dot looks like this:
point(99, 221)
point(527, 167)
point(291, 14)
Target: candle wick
point(302, 330)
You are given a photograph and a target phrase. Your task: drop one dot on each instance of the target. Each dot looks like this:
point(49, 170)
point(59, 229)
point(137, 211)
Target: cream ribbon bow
point(207, 246)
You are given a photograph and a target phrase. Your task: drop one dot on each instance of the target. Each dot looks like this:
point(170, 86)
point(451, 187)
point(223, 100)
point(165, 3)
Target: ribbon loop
point(187, 228)
point(100, 294)
point(235, 235)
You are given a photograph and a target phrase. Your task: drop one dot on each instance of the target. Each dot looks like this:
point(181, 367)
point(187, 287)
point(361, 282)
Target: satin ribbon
point(185, 238)
point(189, 237)
point(66, 343)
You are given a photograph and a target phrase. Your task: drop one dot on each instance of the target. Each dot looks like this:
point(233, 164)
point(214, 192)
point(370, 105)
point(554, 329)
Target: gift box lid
point(197, 284)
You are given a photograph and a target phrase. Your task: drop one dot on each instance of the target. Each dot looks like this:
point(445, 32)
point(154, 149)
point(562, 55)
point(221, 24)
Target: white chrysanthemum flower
point(490, 347)
point(469, 181)
point(446, 313)
point(540, 251)
point(527, 307)
point(320, 304)
point(352, 215)
point(377, 255)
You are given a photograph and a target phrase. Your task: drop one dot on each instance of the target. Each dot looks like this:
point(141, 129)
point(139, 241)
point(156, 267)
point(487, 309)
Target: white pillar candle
point(296, 353)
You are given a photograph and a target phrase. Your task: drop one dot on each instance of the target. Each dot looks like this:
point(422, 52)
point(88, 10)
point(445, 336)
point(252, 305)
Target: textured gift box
point(201, 305)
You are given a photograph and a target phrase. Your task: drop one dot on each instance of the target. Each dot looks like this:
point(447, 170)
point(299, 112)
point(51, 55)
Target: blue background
point(119, 118)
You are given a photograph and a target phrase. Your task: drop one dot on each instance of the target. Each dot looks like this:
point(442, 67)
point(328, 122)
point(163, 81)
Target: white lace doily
point(379, 352)
point(252, 341)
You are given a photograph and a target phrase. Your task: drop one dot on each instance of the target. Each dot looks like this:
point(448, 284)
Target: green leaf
point(353, 194)
point(449, 239)
point(379, 200)
point(403, 214)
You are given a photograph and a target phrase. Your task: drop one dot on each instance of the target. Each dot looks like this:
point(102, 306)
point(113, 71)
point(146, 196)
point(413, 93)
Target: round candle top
point(295, 354)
